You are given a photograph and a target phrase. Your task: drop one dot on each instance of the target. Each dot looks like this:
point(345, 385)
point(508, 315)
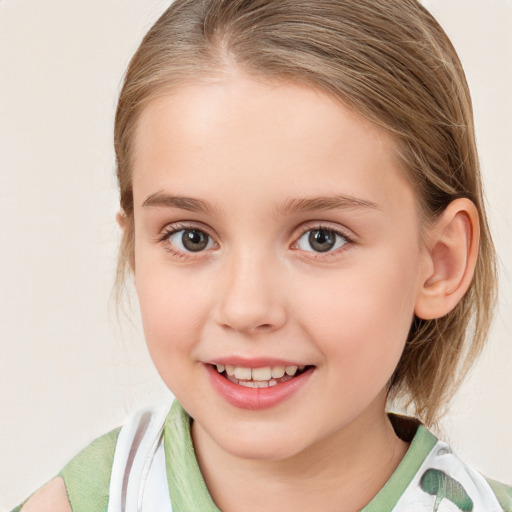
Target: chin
point(259, 443)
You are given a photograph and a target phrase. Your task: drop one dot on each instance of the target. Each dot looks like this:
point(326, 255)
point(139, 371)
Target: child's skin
point(258, 294)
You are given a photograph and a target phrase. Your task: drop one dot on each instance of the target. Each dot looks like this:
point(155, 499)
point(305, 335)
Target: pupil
point(194, 240)
point(322, 240)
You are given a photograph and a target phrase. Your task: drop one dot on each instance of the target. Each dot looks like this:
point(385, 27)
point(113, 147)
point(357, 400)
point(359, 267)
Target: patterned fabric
point(445, 484)
point(430, 478)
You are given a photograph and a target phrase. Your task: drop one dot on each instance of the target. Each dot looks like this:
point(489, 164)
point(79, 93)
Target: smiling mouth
point(264, 377)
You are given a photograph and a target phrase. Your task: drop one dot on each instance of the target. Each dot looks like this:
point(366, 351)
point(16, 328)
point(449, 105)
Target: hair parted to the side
point(388, 60)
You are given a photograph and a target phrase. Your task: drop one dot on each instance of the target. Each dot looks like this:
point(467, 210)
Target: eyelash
point(172, 229)
point(317, 255)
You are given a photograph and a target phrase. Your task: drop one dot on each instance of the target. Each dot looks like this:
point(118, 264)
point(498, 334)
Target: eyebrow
point(334, 202)
point(161, 199)
point(304, 204)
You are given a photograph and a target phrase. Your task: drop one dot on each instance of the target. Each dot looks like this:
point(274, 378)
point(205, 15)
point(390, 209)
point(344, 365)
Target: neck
point(348, 467)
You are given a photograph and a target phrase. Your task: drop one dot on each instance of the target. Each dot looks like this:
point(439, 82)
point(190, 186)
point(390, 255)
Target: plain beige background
point(69, 371)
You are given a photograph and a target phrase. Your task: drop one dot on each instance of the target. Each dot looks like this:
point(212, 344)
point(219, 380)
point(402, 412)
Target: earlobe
point(452, 253)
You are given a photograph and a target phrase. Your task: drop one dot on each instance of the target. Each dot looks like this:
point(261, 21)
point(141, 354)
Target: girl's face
point(274, 229)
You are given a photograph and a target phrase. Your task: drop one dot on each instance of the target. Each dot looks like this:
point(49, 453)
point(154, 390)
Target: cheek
point(173, 310)
point(360, 317)
point(172, 317)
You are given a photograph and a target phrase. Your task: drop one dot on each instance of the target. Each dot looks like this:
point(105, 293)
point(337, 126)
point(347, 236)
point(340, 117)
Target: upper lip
point(253, 362)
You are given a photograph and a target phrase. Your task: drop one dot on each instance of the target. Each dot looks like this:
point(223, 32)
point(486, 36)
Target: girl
point(302, 213)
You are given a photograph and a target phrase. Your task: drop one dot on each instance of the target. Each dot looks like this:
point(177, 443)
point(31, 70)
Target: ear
point(121, 219)
point(126, 225)
point(452, 251)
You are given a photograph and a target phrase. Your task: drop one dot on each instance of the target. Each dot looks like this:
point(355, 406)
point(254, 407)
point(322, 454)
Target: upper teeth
point(259, 374)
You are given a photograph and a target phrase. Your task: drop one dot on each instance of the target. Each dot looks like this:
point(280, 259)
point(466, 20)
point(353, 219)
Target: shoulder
point(52, 497)
point(449, 478)
point(83, 484)
point(503, 494)
point(87, 475)
point(436, 476)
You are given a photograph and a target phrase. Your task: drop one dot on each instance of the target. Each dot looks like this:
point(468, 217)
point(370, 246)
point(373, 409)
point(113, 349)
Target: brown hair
point(390, 61)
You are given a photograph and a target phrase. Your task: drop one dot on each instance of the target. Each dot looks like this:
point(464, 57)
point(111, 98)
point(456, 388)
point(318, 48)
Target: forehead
point(252, 138)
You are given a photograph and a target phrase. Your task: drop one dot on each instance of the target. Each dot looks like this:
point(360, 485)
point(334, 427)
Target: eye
point(189, 240)
point(321, 240)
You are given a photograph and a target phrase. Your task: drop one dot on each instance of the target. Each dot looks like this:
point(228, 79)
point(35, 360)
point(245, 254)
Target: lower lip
point(256, 398)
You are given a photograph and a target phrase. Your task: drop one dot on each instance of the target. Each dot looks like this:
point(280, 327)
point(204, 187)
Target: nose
point(252, 297)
